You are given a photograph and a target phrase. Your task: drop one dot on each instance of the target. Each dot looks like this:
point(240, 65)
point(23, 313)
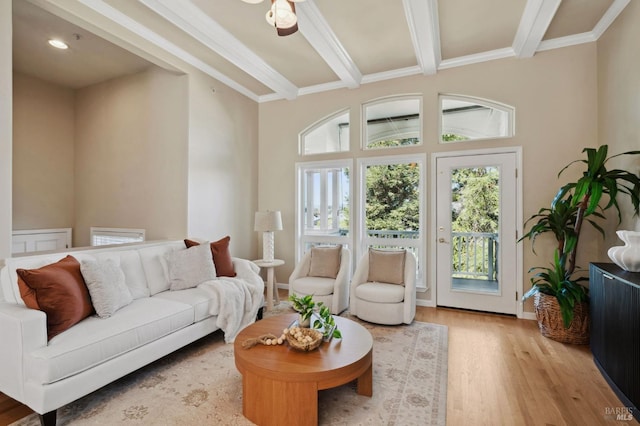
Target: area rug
point(200, 385)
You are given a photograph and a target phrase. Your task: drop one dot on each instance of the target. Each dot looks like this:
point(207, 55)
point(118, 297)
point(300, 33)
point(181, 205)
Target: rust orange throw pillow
point(221, 256)
point(60, 292)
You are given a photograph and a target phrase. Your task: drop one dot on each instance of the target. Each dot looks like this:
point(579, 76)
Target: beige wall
point(223, 164)
point(5, 128)
point(554, 94)
point(43, 153)
point(131, 155)
point(619, 102)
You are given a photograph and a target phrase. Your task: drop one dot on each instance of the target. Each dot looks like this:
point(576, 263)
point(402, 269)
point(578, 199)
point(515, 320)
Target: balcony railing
point(474, 255)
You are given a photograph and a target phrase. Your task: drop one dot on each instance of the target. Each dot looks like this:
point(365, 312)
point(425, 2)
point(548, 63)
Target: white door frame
point(519, 224)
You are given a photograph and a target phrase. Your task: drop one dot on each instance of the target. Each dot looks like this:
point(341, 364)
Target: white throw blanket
point(238, 303)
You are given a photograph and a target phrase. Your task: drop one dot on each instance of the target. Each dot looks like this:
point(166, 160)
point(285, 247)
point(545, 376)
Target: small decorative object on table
point(315, 315)
point(303, 339)
point(627, 256)
point(303, 305)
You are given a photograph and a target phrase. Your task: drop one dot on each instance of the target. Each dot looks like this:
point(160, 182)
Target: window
point(106, 236)
point(392, 122)
point(324, 190)
point(328, 135)
point(465, 118)
point(393, 206)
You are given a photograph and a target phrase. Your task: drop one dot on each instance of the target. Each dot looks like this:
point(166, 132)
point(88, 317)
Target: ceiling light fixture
point(282, 15)
point(58, 44)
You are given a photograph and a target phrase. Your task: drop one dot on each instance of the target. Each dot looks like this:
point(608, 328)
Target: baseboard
point(529, 316)
point(425, 303)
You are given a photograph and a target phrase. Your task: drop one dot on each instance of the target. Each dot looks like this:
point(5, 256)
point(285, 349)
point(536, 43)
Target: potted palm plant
point(560, 300)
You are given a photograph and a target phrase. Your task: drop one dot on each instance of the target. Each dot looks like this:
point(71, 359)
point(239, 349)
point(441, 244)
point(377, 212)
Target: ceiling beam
point(422, 17)
point(193, 21)
point(140, 30)
point(535, 21)
point(314, 27)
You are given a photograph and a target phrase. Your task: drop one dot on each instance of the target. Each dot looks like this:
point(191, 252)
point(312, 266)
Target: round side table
point(270, 265)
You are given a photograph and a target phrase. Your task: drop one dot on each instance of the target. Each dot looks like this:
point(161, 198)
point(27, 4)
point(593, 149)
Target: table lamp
point(267, 222)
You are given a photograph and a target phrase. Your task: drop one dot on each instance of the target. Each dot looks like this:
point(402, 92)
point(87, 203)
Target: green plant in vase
point(304, 305)
point(327, 322)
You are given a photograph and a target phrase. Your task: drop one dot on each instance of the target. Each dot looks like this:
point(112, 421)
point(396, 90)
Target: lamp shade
point(268, 221)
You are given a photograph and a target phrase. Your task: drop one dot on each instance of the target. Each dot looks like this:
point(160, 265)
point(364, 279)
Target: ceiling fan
point(282, 15)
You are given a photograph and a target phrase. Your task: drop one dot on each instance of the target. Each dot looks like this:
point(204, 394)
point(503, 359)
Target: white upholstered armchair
point(324, 272)
point(383, 288)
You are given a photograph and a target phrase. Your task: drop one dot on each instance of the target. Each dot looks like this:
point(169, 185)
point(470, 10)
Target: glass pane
point(326, 201)
point(392, 207)
point(393, 123)
point(463, 120)
point(475, 215)
point(330, 135)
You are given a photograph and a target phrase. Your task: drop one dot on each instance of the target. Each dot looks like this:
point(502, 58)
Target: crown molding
point(422, 17)
point(535, 21)
point(135, 27)
point(193, 21)
point(315, 28)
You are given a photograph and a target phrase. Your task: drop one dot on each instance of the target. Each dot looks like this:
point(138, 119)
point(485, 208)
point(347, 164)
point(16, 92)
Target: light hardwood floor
point(501, 372)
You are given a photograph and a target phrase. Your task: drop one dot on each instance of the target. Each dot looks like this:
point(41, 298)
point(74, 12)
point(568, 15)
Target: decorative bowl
point(302, 343)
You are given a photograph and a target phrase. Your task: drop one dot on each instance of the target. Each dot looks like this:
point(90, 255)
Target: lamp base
point(268, 246)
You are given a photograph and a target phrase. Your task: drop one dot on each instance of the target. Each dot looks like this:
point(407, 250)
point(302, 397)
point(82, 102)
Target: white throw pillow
point(190, 267)
point(106, 284)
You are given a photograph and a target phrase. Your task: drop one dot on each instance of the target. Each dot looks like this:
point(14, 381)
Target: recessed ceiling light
point(58, 44)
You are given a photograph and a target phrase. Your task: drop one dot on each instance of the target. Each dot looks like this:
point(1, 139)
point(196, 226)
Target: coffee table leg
point(365, 382)
point(272, 402)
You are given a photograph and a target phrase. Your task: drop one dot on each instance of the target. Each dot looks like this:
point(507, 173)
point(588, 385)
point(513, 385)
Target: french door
point(476, 205)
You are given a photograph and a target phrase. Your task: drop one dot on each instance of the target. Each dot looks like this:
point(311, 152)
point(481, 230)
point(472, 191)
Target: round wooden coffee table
point(280, 384)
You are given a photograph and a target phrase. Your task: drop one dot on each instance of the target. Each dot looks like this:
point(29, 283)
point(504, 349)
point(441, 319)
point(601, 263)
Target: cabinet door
point(598, 315)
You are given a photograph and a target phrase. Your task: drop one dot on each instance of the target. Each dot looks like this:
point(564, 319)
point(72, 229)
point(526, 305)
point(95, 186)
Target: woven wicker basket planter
point(550, 322)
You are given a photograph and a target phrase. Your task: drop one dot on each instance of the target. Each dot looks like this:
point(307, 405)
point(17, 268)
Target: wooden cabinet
point(615, 329)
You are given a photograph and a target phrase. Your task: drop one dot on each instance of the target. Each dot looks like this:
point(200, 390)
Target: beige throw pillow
point(190, 267)
point(325, 261)
point(386, 266)
point(106, 283)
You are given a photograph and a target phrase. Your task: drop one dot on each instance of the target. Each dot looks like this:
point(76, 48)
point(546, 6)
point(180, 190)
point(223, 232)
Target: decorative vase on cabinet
point(627, 256)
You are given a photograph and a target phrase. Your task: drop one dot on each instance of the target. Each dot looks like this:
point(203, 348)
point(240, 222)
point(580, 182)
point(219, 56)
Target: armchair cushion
point(380, 293)
point(317, 286)
point(325, 261)
point(386, 266)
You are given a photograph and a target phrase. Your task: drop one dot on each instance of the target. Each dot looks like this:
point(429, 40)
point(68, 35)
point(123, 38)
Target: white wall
point(555, 96)
point(223, 164)
point(5, 128)
point(619, 103)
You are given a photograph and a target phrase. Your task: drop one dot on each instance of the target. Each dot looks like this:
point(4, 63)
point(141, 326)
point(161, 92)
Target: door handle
point(442, 240)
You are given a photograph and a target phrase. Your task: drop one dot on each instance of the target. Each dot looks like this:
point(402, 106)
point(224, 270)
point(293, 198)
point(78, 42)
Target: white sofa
point(46, 375)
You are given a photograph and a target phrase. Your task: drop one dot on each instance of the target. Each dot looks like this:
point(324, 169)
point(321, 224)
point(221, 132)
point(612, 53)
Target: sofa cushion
point(95, 340)
point(131, 266)
point(386, 266)
point(60, 292)
point(380, 292)
point(190, 267)
point(318, 286)
point(106, 283)
point(155, 266)
point(201, 301)
point(325, 261)
point(221, 256)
